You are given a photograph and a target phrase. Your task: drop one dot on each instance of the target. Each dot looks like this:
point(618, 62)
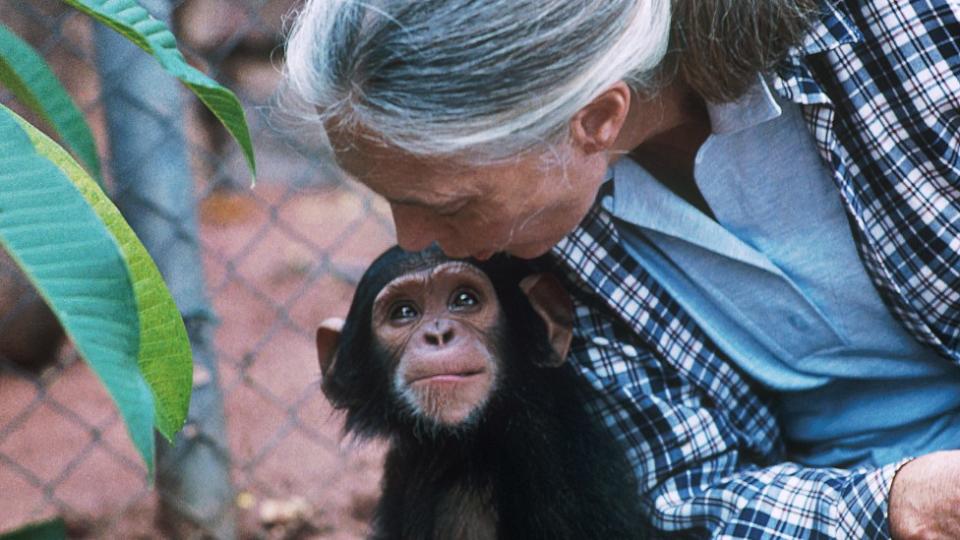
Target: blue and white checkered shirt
point(879, 82)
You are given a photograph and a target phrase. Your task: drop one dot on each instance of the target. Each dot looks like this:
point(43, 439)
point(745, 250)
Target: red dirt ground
point(276, 265)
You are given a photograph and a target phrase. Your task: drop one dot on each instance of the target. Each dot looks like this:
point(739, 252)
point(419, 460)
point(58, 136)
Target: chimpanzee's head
point(429, 340)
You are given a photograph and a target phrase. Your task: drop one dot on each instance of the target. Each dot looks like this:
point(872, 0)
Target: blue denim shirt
point(776, 281)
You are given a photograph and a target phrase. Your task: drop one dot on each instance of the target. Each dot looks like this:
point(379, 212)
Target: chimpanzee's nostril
point(439, 336)
point(447, 336)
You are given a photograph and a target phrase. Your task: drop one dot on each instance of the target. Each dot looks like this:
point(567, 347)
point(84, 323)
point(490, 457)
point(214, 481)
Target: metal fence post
point(154, 188)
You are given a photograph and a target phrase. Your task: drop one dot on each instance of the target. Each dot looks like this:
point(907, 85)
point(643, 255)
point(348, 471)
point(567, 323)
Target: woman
point(777, 260)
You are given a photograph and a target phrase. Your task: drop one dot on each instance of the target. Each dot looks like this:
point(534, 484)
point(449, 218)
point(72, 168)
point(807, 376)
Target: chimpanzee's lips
point(442, 377)
point(461, 365)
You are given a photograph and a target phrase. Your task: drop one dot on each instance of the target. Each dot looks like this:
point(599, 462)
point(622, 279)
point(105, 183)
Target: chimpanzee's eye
point(404, 312)
point(464, 298)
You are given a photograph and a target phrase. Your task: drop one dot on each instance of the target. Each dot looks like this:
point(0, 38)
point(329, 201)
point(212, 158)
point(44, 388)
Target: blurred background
point(253, 270)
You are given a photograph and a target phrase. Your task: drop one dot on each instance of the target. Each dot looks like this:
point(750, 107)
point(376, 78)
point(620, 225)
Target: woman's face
point(522, 206)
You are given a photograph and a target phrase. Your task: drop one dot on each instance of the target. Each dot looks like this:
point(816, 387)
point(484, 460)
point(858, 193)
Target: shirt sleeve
point(711, 469)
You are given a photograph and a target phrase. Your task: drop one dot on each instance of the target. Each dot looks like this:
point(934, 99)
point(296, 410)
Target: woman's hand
point(925, 498)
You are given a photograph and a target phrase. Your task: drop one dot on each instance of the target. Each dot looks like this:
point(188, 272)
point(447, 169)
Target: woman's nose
point(416, 229)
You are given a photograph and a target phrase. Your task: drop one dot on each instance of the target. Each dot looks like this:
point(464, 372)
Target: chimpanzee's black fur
point(542, 465)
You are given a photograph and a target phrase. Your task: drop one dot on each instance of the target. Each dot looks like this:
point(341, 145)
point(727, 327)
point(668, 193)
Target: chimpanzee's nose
point(440, 334)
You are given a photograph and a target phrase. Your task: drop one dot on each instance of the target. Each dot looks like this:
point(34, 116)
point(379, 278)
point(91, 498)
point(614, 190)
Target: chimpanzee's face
point(437, 343)
point(439, 325)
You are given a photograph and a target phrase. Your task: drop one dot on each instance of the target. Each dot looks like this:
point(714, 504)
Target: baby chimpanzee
point(461, 366)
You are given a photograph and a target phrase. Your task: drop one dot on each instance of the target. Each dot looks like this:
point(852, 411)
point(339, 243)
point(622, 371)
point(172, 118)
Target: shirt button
point(798, 322)
point(630, 351)
point(601, 341)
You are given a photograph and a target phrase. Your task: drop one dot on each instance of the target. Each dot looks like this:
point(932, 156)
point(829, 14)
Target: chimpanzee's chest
point(426, 501)
point(466, 514)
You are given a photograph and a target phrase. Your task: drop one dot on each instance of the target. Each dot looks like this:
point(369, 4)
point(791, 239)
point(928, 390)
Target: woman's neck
point(663, 135)
point(675, 118)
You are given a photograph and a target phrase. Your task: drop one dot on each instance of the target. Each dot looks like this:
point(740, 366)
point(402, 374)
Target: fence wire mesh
point(276, 260)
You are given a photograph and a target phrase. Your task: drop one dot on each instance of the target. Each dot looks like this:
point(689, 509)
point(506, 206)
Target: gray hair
point(436, 77)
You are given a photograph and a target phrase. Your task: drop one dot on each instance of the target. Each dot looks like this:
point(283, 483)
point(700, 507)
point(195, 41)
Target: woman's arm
point(711, 469)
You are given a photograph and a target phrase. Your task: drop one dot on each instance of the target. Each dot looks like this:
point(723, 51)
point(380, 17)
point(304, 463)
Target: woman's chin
point(483, 255)
point(529, 251)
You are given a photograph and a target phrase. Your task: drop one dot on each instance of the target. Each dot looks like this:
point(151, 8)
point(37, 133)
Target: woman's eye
point(465, 299)
point(403, 312)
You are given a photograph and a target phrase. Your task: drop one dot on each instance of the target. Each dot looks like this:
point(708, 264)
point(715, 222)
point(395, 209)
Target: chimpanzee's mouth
point(456, 377)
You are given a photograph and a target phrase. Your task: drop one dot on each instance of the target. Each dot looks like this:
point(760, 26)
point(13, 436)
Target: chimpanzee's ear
point(328, 336)
point(552, 302)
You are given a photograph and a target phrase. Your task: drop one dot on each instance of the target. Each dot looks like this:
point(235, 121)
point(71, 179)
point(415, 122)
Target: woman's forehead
point(369, 160)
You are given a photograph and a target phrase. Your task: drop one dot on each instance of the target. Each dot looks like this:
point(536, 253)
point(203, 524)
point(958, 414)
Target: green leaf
point(164, 357)
point(53, 233)
point(55, 529)
point(132, 21)
point(27, 75)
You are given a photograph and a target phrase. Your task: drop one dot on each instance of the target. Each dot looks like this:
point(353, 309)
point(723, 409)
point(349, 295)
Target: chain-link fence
point(254, 271)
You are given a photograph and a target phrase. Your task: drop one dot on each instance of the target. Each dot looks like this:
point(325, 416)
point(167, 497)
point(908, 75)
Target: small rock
point(246, 500)
point(281, 512)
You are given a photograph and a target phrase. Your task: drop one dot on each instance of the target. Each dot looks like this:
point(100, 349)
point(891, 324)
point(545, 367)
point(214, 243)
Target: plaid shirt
point(879, 82)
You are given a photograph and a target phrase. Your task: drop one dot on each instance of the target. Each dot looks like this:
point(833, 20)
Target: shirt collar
point(755, 107)
point(639, 194)
point(640, 199)
point(793, 78)
point(832, 29)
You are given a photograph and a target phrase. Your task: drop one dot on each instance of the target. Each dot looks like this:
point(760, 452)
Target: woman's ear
point(328, 336)
point(595, 127)
point(552, 303)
